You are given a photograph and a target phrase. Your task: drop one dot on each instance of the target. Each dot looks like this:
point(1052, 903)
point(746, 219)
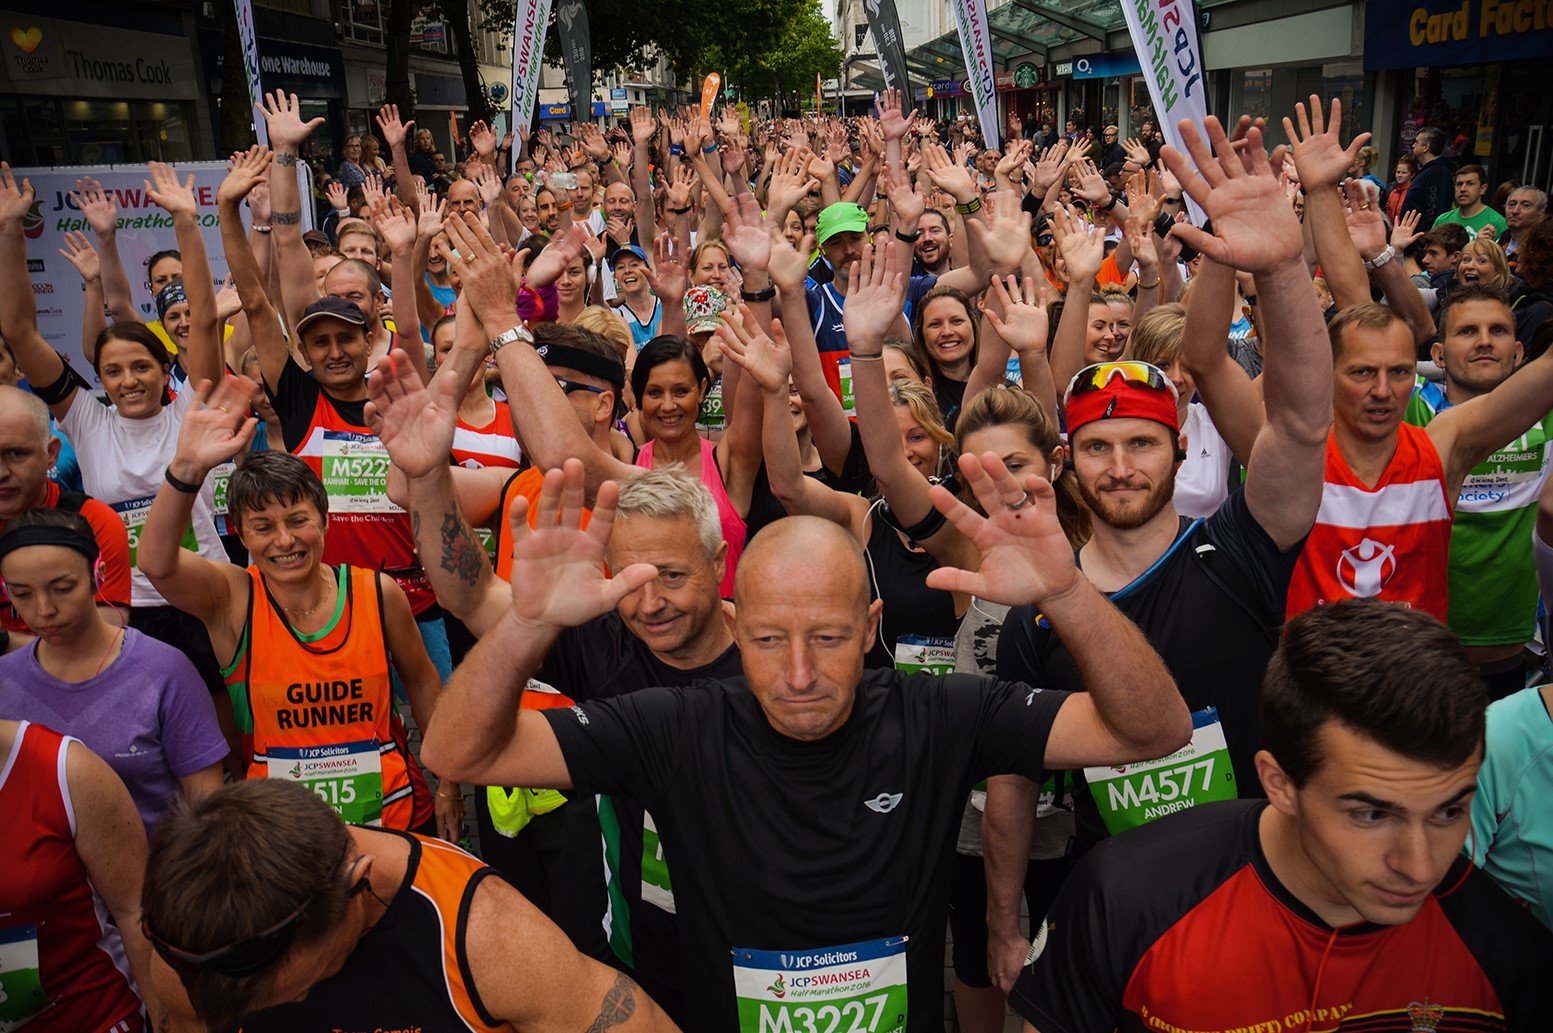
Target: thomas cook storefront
point(73, 93)
point(1478, 69)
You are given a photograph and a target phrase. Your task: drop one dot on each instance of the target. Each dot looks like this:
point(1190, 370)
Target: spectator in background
point(350, 172)
point(1407, 168)
point(421, 156)
point(1469, 185)
point(1524, 208)
point(1364, 164)
point(1429, 192)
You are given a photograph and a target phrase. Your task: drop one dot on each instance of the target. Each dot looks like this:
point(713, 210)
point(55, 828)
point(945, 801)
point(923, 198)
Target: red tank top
point(490, 445)
point(365, 529)
point(59, 952)
point(1388, 542)
point(319, 709)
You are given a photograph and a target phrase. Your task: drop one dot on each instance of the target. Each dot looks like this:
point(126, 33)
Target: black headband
point(585, 362)
point(44, 534)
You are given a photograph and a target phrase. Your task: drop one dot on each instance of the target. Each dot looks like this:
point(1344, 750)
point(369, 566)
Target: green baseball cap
point(841, 217)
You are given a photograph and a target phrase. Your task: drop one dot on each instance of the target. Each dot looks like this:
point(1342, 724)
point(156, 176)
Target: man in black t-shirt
point(1343, 900)
point(808, 811)
point(1207, 593)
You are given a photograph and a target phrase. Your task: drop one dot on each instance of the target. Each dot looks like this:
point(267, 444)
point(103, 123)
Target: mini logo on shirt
point(884, 803)
point(582, 717)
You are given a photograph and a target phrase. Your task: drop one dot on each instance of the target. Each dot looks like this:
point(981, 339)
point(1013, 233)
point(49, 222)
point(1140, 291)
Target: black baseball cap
point(331, 308)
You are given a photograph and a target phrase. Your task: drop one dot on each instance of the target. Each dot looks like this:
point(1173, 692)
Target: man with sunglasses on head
point(267, 912)
point(1208, 593)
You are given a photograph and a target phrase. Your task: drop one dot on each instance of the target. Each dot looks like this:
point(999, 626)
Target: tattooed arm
point(528, 973)
point(457, 565)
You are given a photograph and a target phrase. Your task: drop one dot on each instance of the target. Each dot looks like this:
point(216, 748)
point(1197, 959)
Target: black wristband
point(183, 486)
point(908, 238)
point(679, 211)
point(767, 294)
point(1107, 206)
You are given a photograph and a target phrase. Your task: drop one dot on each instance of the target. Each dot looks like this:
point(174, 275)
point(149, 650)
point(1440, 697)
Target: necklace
point(316, 607)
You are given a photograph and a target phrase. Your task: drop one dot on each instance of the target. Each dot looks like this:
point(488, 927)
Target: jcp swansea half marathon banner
point(1164, 35)
point(528, 55)
point(970, 17)
point(144, 229)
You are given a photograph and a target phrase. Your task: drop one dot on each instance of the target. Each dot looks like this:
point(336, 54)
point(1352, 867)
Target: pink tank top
point(734, 528)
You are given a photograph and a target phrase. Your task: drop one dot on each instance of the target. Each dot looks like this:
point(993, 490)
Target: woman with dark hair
point(124, 447)
point(947, 333)
point(670, 381)
point(1533, 299)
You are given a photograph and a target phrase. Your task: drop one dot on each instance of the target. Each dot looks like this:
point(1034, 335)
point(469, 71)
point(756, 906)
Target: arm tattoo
point(290, 218)
point(285, 160)
point(618, 1006)
point(461, 552)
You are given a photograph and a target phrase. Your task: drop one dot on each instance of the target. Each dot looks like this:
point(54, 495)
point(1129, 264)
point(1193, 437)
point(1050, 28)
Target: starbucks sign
point(1026, 75)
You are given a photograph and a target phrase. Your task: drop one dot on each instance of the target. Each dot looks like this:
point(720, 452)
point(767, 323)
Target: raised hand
point(484, 271)
point(745, 232)
point(1406, 231)
point(415, 421)
point(1136, 151)
point(876, 296)
point(483, 140)
point(1025, 557)
point(1053, 162)
point(174, 197)
point(220, 427)
point(593, 142)
point(337, 196)
point(820, 168)
point(1023, 319)
point(390, 128)
point(1091, 184)
point(667, 275)
point(1140, 233)
point(259, 203)
point(15, 201)
point(101, 212)
point(228, 302)
point(372, 189)
point(283, 114)
point(618, 229)
point(643, 125)
point(78, 251)
point(1005, 237)
point(1014, 158)
point(1082, 245)
point(562, 250)
point(486, 181)
point(892, 122)
point(768, 361)
point(1366, 222)
point(559, 564)
point(676, 194)
point(907, 203)
point(947, 175)
point(788, 266)
point(245, 172)
point(396, 224)
point(1319, 156)
point(1253, 229)
point(432, 211)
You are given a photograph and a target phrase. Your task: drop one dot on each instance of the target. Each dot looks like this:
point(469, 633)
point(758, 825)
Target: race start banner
point(884, 25)
point(577, 55)
point(1164, 35)
point(144, 229)
point(970, 17)
point(528, 56)
point(250, 40)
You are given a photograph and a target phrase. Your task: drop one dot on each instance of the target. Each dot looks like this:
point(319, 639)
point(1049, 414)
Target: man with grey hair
point(28, 450)
point(1523, 209)
point(670, 631)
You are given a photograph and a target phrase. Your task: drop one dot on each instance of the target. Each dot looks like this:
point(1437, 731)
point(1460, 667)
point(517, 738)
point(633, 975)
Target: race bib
point(854, 988)
point(1198, 772)
point(134, 513)
point(347, 776)
point(656, 887)
point(925, 653)
point(21, 983)
point(1014, 373)
point(848, 397)
point(487, 542)
point(219, 477)
point(711, 416)
point(356, 473)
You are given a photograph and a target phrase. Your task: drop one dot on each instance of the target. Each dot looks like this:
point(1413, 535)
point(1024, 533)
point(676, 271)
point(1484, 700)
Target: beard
point(1126, 516)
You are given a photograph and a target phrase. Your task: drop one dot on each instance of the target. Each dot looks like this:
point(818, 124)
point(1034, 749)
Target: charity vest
point(1389, 542)
point(365, 529)
point(317, 708)
point(475, 448)
point(498, 540)
point(62, 961)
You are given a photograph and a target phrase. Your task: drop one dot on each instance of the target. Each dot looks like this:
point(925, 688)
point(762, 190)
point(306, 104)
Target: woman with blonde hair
point(1483, 264)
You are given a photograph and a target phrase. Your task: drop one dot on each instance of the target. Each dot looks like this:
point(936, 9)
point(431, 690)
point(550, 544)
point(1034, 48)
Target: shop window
point(362, 20)
point(1140, 106)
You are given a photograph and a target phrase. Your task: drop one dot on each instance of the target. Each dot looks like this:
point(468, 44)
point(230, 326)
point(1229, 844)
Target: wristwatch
point(1381, 259)
point(506, 337)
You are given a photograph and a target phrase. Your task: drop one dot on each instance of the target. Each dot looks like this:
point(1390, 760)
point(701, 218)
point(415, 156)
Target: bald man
point(808, 810)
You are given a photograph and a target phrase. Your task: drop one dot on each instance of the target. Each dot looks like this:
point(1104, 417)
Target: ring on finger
point(1020, 503)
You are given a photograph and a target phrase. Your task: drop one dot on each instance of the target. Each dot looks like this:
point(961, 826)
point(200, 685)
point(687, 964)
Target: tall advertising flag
point(970, 17)
point(1164, 35)
point(528, 55)
point(884, 25)
point(250, 42)
point(577, 55)
point(819, 95)
point(709, 91)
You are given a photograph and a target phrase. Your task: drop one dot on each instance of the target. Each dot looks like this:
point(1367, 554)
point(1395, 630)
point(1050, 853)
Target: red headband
point(1120, 400)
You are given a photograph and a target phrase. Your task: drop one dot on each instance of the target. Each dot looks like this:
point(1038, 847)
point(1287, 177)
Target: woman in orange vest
point(309, 650)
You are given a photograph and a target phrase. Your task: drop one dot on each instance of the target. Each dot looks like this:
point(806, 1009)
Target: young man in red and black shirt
point(1343, 901)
